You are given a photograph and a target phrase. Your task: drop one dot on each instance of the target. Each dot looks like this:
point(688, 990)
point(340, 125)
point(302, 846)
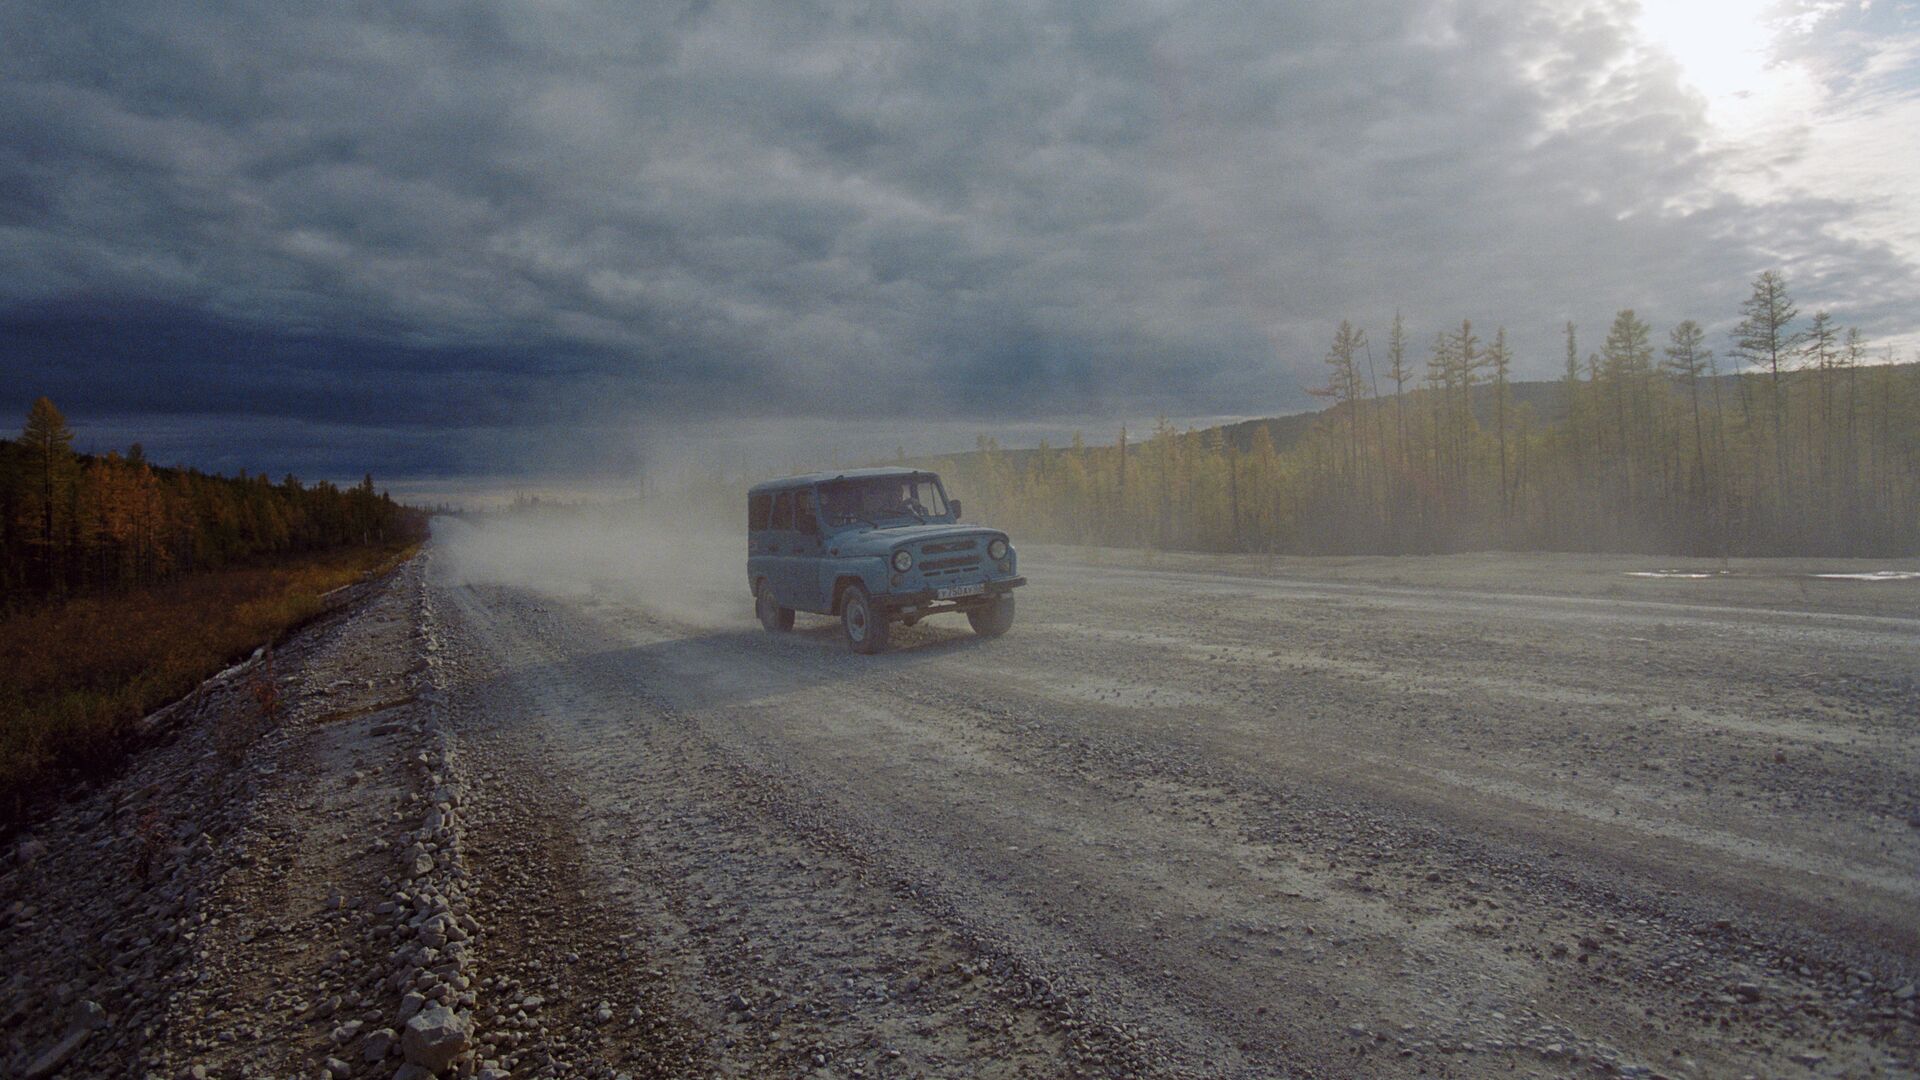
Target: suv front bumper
point(926, 601)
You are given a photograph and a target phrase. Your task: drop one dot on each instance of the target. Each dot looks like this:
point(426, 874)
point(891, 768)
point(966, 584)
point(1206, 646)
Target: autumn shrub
point(152, 834)
point(235, 729)
point(76, 677)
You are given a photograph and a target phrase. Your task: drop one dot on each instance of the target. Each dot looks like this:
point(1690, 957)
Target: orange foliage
point(75, 677)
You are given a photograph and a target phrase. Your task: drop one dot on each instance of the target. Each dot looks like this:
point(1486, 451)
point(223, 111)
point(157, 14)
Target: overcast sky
point(437, 238)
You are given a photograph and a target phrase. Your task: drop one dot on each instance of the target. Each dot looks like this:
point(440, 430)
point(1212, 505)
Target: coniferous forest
point(73, 523)
point(124, 584)
point(1801, 440)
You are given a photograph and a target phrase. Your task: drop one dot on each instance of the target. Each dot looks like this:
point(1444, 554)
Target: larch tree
point(1628, 363)
point(52, 470)
point(1345, 388)
point(1852, 351)
point(1687, 358)
point(1443, 373)
point(1500, 358)
point(1466, 353)
point(1570, 386)
point(1765, 338)
point(1398, 372)
point(1819, 352)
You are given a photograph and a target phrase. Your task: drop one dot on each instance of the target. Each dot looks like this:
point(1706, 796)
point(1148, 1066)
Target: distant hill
point(1545, 398)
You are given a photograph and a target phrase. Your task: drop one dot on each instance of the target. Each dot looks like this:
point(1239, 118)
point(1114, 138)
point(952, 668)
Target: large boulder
point(435, 1036)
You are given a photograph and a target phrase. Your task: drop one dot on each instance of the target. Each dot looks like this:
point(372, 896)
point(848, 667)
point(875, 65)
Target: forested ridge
point(75, 523)
point(1801, 440)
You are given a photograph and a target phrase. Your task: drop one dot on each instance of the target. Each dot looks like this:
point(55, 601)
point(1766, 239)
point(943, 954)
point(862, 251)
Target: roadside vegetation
point(126, 585)
point(1809, 445)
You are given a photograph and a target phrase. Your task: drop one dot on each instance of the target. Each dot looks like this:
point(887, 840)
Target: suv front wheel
point(992, 620)
point(866, 629)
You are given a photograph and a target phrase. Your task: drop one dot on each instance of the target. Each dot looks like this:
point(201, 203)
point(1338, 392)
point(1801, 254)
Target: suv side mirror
point(954, 505)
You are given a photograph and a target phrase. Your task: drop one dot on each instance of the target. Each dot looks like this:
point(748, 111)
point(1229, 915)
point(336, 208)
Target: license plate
point(955, 592)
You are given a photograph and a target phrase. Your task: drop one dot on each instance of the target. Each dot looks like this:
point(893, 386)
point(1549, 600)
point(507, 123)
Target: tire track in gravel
point(1389, 932)
point(1450, 729)
point(765, 923)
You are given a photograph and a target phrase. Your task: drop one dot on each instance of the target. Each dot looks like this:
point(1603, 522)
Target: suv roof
point(808, 479)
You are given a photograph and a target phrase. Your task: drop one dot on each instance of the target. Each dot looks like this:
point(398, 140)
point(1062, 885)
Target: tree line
point(73, 523)
point(1808, 445)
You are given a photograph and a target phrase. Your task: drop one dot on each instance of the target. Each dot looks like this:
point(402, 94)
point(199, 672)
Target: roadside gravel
point(272, 889)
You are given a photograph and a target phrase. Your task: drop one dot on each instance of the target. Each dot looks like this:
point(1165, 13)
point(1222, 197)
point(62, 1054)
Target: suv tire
point(777, 619)
point(866, 630)
point(992, 620)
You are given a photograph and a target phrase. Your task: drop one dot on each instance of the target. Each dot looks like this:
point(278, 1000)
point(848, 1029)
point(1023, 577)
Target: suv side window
point(803, 517)
point(759, 508)
point(782, 517)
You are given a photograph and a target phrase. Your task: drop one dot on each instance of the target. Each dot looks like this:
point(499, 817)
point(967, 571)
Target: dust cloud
point(683, 559)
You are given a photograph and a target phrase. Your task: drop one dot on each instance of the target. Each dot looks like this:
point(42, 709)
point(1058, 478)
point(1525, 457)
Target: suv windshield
point(883, 500)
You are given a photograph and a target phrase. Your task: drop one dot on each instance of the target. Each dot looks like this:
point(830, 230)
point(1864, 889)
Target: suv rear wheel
point(775, 618)
point(866, 630)
point(992, 620)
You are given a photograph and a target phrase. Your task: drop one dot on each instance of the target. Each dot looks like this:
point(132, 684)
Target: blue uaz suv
point(874, 547)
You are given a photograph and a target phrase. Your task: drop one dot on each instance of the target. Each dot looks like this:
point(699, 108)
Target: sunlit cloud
point(1725, 50)
point(1807, 98)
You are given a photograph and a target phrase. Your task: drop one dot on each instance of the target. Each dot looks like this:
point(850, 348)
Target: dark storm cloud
point(406, 219)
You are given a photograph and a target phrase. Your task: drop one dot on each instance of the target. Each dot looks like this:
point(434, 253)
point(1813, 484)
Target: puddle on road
point(1868, 575)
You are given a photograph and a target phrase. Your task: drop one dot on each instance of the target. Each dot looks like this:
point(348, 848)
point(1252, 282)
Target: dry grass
point(74, 678)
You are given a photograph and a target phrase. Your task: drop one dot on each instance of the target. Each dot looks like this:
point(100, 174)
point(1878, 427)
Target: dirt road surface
point(1490, 815)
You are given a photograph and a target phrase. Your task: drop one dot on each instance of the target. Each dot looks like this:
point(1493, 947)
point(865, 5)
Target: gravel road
point(1208, 817)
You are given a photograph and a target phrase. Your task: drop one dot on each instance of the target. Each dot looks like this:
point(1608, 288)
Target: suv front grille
point(941, 547)
point(933, 567)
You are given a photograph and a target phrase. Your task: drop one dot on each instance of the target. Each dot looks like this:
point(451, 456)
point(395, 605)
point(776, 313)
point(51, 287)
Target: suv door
point(774, 547)
point(807, 564)
point(759, 540)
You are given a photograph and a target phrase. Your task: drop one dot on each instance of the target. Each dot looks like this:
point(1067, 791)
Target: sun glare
point(1722, 48)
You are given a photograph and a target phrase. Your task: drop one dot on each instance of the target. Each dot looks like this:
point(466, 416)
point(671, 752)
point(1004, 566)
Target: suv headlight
point(997, 550)
point(902, 561)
